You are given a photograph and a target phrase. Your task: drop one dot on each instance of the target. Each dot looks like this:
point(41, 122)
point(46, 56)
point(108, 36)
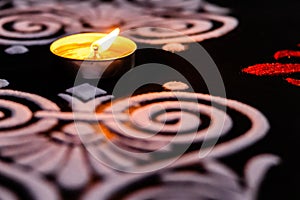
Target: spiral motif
point(20, 114)
point(42, 142)
point(16, 119)
point(42, 24)
point(160, 119)
point(180, 28)
point(197, 181)
point(36, 26)
point(153, 123)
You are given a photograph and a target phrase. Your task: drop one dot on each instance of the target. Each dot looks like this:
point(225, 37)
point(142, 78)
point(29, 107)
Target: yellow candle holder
point(74, 51)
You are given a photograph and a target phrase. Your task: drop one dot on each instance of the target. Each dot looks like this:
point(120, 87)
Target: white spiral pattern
point(176, 119)
point(150, 119)
point(40, 142)
point(36, 26)
point(148, 126)
point(19, 115)
point(180, 28)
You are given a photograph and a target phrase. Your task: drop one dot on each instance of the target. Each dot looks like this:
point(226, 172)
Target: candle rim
point(52, 49)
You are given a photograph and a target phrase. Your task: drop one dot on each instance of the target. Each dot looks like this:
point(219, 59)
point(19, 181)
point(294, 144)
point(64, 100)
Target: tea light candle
point(95, 55)
point(93, 46)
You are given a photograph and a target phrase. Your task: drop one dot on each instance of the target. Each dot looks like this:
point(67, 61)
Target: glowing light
point(103, 44)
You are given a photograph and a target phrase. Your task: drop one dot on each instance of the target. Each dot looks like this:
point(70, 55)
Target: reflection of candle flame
point(103, 44)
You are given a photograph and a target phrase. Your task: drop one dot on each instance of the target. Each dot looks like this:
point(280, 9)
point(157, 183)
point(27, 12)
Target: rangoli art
point(278, 68)
point(152, 22)
point(78, 148)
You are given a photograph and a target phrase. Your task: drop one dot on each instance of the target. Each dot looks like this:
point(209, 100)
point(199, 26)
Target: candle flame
point(103, 44)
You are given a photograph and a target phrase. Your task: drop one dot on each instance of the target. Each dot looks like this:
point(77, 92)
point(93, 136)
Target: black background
point(264, 28)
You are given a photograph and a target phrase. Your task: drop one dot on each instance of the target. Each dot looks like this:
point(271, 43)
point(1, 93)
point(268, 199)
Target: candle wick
point(96, 53)
point(95, 47)
point(103, 44)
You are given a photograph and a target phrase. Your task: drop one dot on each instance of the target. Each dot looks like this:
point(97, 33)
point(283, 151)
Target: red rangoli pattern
point(277, 69)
